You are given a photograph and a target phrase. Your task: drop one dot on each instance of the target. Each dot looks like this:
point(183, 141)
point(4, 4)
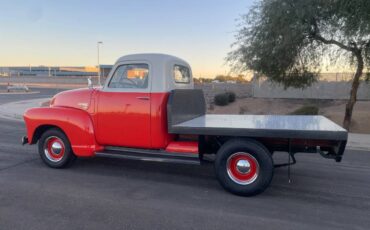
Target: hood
point(77, 98)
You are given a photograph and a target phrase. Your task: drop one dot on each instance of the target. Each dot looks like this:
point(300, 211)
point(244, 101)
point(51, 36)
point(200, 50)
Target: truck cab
point(148, 109)
point(131, 106)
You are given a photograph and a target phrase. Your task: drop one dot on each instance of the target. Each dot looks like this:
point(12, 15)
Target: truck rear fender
point(75, 123)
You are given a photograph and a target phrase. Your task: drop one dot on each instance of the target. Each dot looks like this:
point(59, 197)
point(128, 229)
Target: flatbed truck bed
point(273, 126)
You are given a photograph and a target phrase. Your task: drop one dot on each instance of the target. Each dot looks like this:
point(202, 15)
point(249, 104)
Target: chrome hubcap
point(243, 166)
point(56, 148)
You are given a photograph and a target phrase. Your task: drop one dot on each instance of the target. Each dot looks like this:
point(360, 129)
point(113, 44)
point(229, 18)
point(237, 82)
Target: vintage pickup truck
point(148, 109)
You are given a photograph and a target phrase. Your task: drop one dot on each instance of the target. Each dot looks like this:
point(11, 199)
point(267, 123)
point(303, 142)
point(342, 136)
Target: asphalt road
point(39, 93)
point(121, 194)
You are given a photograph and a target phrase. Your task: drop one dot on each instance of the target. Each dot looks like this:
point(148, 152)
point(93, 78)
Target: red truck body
point(144, 124)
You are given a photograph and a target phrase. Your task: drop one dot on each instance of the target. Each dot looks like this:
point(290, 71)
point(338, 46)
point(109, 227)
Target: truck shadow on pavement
point(201, 176)
point(192, 175)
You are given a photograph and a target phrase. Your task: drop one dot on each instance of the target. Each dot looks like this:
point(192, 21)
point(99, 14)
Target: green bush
point(306, 110)
point(232, 96)
point(222, 99)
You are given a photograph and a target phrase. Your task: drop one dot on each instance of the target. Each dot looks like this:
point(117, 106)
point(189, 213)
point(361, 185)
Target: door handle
point(143, 98)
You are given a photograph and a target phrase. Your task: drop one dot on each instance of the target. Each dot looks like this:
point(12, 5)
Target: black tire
point(251, 149)
point(54, 160)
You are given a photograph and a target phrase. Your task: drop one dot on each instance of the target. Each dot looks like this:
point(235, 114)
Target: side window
point(130, 76)
point(181, 74)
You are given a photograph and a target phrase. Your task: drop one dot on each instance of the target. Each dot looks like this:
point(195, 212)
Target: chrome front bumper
point(24, 140)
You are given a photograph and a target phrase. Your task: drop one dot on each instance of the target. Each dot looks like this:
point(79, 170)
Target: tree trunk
point(353, 96)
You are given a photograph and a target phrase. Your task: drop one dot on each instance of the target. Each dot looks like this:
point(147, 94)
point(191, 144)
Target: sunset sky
point(66, 32)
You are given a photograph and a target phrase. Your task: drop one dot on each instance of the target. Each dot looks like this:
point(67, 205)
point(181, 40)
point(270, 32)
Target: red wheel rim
point(54, 149)
point(242, 168)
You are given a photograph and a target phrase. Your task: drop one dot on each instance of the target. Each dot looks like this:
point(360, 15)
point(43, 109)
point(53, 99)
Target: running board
point(149, 155)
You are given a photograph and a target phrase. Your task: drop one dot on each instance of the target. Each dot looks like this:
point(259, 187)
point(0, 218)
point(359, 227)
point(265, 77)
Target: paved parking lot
point(120, 194)
point(42, 93)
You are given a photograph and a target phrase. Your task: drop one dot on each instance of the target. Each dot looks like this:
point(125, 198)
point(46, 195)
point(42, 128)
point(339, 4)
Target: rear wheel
point(55, 149)
point(244, 167)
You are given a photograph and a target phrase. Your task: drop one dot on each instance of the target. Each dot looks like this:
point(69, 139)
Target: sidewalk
point(15, 110)
point(357, 141)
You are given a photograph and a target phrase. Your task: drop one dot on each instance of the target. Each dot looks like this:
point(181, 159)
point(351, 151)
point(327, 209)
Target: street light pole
point(99, 76)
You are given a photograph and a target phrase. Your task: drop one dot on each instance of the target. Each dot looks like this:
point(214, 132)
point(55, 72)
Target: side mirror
point(89, 83)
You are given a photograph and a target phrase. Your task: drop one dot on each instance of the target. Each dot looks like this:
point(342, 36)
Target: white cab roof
point(152, 57)
point(161, 70)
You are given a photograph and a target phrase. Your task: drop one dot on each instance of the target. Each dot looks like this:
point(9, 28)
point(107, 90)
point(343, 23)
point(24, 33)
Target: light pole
point(99, 77)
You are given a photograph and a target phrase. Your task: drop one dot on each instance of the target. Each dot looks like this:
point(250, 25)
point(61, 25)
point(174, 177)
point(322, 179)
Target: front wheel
point(55, 149)
point(244, 167)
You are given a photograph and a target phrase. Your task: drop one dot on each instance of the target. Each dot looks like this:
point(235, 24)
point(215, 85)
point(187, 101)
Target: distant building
point(46, 71)
point(105, 70)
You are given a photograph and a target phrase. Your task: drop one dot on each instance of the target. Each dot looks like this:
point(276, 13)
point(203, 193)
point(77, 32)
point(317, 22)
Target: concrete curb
point(18, 93)
point(357, 141)
point(357, 148)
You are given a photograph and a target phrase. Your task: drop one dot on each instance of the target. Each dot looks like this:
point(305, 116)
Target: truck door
point(123, 112)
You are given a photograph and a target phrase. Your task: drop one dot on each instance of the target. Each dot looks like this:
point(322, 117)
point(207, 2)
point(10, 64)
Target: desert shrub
point(306, 110)
point(232, 96)
point(222, 99)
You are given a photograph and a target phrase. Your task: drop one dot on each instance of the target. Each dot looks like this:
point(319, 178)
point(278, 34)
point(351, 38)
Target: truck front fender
point(76, 124)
